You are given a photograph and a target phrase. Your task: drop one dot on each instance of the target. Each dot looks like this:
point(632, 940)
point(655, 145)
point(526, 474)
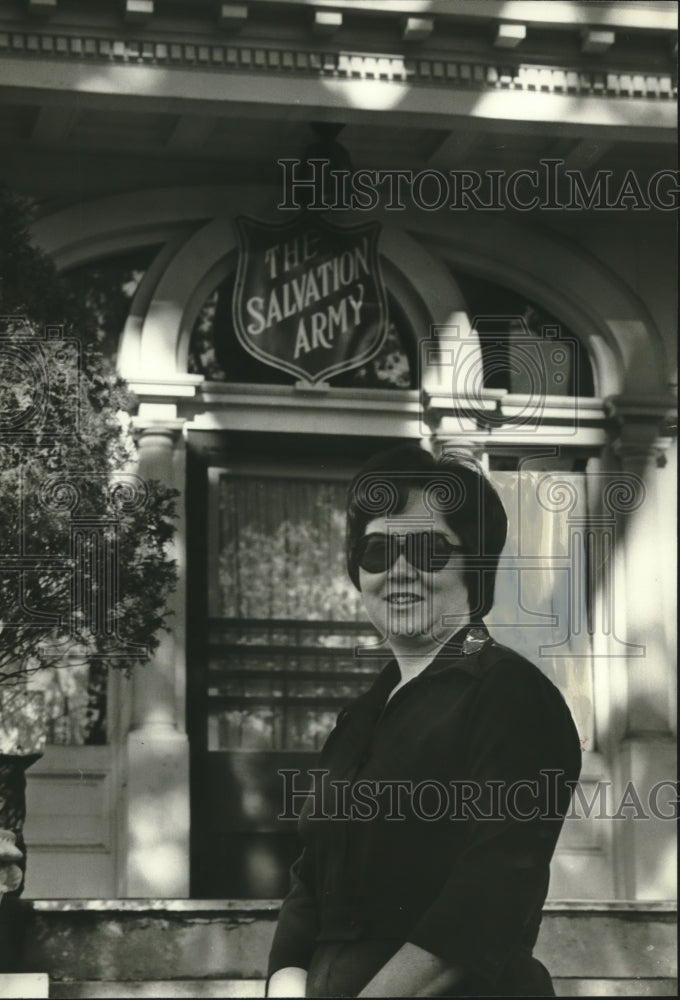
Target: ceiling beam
point(585, 153)
point(417, 29)
point(452, 149)
point(41, 8)
point(326, 22)
point(138, 11)
point(509, 36)
point(596, 42)
point(232, 16)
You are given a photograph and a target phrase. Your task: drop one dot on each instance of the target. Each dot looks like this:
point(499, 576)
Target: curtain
point(282, 550)
point(277, 680)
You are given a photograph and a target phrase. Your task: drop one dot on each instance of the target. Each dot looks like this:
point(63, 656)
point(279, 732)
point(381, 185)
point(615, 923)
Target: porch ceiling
point(113, 147)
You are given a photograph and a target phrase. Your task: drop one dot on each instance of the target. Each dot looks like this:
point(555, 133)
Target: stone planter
point(22, 741)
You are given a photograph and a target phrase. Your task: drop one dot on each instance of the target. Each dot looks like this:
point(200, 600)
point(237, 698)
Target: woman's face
point(407, 602)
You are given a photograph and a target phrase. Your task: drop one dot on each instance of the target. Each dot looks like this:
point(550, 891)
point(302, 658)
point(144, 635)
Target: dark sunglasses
point(425, 550)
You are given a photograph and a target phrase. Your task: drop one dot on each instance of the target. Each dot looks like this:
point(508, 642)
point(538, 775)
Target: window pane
point(74, 700)
point(281, 550)
point(525, 349)
point(282, 659)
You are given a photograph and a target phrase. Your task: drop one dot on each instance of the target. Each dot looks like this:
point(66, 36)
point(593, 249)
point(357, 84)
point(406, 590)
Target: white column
point(646, 753)
point(155, 769)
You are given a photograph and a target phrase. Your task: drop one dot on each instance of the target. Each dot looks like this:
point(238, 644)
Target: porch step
point(227, 988)
point(179, 988)
point(20, 985)
point(211, 948)
point(616, 987)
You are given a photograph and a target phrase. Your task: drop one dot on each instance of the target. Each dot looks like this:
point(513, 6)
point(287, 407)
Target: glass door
point(278, 663)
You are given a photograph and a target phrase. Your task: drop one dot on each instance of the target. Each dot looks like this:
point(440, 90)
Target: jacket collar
point(459, 653)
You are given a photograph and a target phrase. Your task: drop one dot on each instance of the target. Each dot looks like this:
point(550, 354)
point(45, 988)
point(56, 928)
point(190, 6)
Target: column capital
point(461, 447)
point(143, 426)
point(641, 428)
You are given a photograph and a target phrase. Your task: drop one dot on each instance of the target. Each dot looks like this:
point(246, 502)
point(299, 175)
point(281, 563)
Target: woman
point(454, 770)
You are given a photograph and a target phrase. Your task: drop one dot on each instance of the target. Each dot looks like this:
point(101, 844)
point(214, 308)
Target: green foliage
point(65, 449)
point(293, 572)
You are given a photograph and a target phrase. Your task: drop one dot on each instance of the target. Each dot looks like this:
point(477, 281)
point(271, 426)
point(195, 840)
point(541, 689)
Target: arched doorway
point(422, 260)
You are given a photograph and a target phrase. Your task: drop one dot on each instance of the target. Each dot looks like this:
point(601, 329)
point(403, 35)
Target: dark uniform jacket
point(438, 816)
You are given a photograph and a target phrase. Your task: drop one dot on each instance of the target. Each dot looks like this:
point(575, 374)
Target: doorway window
point(284, 617)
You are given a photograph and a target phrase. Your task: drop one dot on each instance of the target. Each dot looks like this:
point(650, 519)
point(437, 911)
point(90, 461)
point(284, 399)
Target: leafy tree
point(84, 571)
point(65, 449)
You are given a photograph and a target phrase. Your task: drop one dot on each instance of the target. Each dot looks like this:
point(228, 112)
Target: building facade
point(519, 161)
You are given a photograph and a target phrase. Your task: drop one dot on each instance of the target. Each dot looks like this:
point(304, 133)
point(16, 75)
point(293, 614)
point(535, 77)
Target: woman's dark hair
point(453, 485)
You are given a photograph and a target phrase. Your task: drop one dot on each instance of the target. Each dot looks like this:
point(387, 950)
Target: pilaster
point(642, 444)
point(155, 813)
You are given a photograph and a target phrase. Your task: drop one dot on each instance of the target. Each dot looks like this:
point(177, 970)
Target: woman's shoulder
point(516, 695)
point(511, 674)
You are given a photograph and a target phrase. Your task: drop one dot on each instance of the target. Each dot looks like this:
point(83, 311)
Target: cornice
point(456, 72)
point(652, 16)
point(300, 409)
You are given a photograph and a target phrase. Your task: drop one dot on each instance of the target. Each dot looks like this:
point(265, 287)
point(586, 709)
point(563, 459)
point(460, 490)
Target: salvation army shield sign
point(309, 297)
